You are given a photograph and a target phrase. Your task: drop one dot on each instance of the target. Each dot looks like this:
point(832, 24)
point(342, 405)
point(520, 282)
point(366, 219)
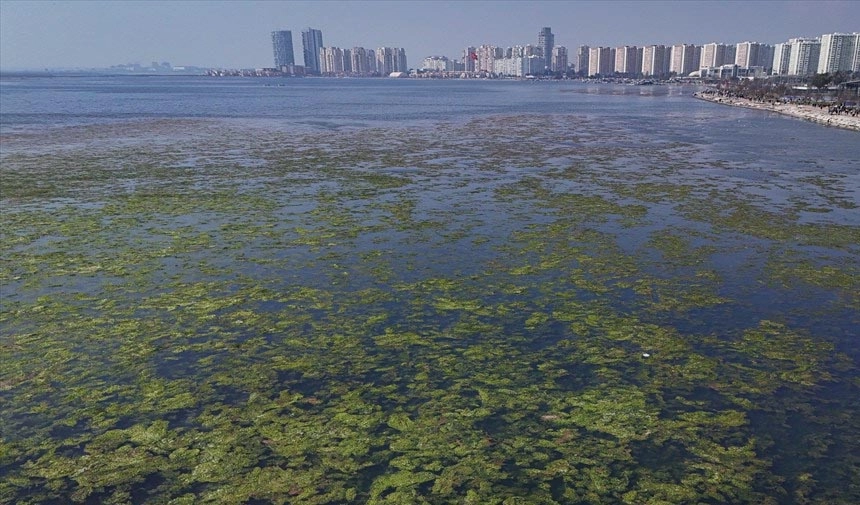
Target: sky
point(237, 34)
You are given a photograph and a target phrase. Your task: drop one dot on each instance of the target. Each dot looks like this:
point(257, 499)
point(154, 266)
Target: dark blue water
point(57, 101)
point(667, 113)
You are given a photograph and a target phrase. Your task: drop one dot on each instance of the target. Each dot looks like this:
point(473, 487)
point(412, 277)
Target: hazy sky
point(236, 34)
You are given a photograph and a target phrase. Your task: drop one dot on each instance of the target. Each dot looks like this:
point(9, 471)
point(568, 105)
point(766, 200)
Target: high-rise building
point(582, 55)
point(839, 51)
point(683, 59)
point(312, 42)
point(391, 59)
point(435, 63)
point(625, 60)
point(334, 60)
point(371, 62)
point(803, 59)
point(486, 56)
point(620, 59)
point(781, 55)
point(765, 57)
point(715, 55)
point(747, 54)
point(655, 61)
point(347, 61)
point(534, 65)
point(559, 59)
point(528, 50)
point(282, 45)
point(731, 51)
point(546, 41)
point(470, 56)
point(600, 61)
point(402, 66)
point(676, 59)
point(362, 61)
point(385, 60)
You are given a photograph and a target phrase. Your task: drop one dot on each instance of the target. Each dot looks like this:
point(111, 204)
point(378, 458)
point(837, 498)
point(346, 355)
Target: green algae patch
point(443, 318)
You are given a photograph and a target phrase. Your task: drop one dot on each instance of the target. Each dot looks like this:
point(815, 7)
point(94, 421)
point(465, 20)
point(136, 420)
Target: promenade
point(807, 112)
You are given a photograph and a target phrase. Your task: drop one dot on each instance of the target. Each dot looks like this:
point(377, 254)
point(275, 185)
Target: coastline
point(806, 112)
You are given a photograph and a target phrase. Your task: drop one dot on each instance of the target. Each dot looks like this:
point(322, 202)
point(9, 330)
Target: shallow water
point(406, 292)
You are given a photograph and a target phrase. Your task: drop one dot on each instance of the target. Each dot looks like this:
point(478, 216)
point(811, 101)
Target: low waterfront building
point(722, 72)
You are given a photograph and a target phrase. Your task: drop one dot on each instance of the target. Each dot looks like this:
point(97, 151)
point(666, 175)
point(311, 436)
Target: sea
point(320, 290)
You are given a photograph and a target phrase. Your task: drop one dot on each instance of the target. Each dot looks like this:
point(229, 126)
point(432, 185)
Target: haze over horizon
point(98, 34)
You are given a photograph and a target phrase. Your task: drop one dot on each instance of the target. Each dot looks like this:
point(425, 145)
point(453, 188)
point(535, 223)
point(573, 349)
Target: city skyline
point(224, 34)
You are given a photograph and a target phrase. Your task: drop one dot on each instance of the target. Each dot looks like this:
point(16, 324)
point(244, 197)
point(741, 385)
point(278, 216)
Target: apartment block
point(626, 61)
point(839, 52)
point(655, 61)
point(804, 55)
point(559, 61)
point(601, 61)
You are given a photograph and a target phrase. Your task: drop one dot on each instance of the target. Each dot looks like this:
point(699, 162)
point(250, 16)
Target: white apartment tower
point(334, 60)
point(713, 55)
point(600, 61)
point(625, 60)
point(683, 59)
point(391, 59)
point(486, 56)
point(839, 51)
point(362, 60)
point(655, 61)
point(781, 55)
point(803, 59)
point(747, 54)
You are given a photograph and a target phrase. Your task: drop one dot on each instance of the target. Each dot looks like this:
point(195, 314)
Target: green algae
point(328, 338)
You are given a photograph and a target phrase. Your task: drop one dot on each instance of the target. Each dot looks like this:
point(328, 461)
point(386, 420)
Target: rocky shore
point(807, 112)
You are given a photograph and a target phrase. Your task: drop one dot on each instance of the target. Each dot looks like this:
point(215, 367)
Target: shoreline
point(806, 112)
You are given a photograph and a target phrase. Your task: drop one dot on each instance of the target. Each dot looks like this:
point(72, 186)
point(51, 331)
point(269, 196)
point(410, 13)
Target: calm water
point(403, 291)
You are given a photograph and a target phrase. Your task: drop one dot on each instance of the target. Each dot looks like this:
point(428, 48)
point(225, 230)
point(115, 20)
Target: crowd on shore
point(837, 114)
point(842, 109)
point(848, 108)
